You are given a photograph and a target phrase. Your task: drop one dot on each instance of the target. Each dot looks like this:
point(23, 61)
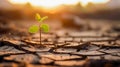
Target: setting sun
point(55, 3)
point(45, 3)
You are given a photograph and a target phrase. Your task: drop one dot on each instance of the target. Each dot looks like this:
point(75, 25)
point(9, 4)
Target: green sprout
point(41, 27)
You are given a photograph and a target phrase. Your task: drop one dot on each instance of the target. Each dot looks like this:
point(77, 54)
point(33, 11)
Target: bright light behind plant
point(55, 3)
point(85, 2)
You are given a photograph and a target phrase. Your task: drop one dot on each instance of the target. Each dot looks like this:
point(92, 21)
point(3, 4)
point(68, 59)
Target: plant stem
point(40, 34)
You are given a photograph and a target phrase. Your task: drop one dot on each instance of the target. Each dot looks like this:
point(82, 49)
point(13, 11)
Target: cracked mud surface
point(61, 48)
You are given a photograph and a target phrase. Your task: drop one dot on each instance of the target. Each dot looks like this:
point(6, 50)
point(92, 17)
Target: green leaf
point(45, 28)
point(38, 17)
point(44, 18)
point(34, 29)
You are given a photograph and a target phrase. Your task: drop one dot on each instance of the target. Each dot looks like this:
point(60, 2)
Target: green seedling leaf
point(42, 27)
point(34, 29)
point(45, 28)
point(43, 18)
point(38, 17)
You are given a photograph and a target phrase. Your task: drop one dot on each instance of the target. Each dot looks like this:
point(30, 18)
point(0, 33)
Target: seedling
point(41, 27)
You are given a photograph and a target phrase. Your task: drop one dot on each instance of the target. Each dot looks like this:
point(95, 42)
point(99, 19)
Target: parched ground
point(93, 44)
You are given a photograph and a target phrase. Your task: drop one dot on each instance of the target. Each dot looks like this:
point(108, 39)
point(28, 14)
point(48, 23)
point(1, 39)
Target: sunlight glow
point(55, 3)
point(85, 2)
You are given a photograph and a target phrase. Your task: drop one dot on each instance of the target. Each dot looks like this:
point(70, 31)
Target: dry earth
point(93, 44)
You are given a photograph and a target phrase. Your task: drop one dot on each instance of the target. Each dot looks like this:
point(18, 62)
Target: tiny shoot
point(41, 27)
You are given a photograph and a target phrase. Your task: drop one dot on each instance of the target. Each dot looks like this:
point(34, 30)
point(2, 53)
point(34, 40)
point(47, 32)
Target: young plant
point(41, 27)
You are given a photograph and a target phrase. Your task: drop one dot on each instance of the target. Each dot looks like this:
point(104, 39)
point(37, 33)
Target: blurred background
point(76, 14)
point(25, 9)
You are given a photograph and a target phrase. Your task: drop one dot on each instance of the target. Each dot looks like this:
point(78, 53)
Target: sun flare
point(55, 3)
